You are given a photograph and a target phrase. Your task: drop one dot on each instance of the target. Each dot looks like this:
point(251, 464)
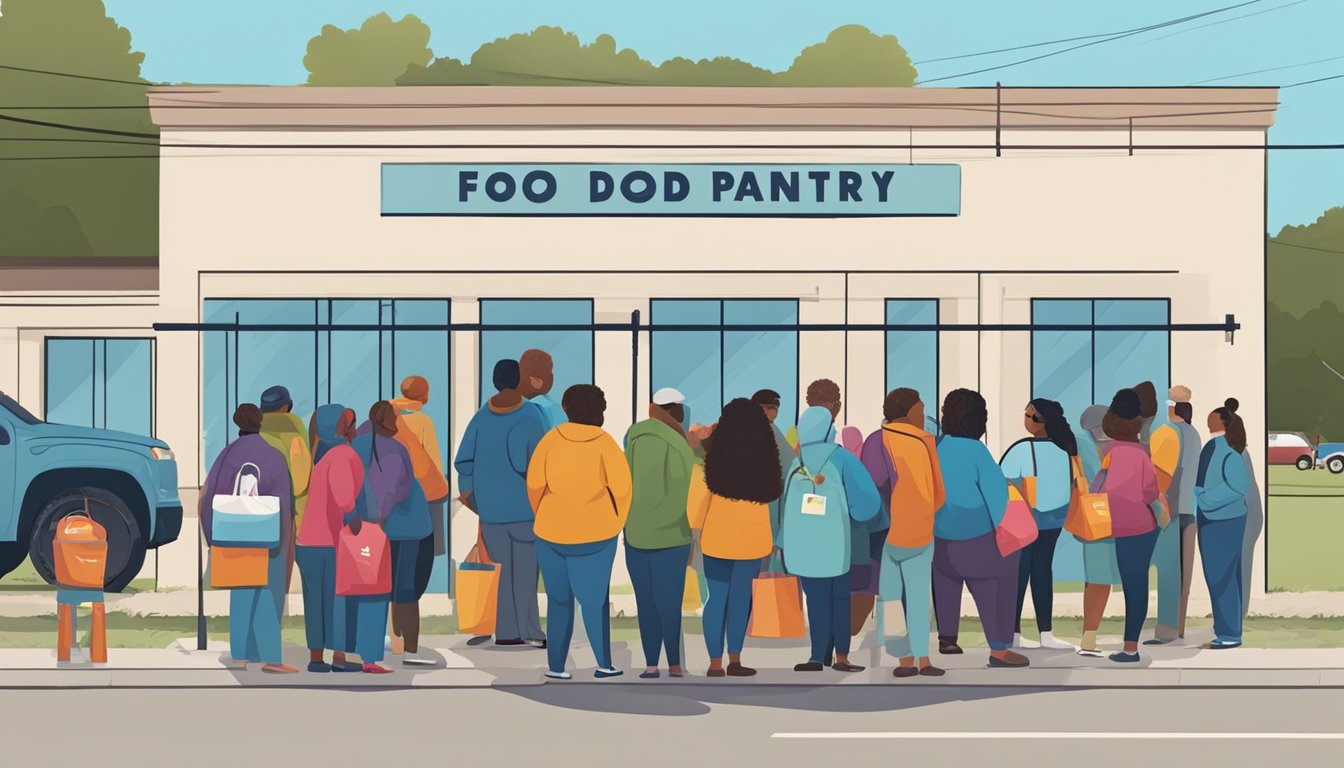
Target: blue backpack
point(815, 522)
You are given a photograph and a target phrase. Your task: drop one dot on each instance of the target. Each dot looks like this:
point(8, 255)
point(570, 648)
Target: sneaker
point(319, 667)
point(539, 644)
point(603, 673)
point(1223, 645)
point(1050, 643)
point(1121, 657)
point(416, 660)
point(810, 666)
point(561, 675)
point(1091, 653)
point(1018, 642)
point(376, 669)
point(1009, 661)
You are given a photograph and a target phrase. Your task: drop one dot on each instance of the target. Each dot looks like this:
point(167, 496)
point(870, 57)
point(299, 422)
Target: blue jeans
point(1134, 554)
point(1220, 549)
point(729, 606)
point(582, 572)
point(323, 611)
point(366, 625)
point(1167, 561)
point(827, 615)
point(659, 578)
point(907, 575)
point(254, 615)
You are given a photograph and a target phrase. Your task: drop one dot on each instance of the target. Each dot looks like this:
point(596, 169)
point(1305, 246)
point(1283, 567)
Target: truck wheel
point(1335, 464)
point(1305, 463)
point(125, 542)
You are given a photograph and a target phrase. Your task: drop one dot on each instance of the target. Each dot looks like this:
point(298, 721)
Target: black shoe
point(903, 672)
point(510, 641)
point(948, 649)
point(811, 666)
point(478, 640)
point(1158, 641)
point(846, 667)
point(1120, 657)
point(931, 671)
point(1011, 661)
point(737, 670)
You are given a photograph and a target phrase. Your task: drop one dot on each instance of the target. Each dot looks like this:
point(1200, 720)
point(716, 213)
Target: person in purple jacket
point(388, 472)
point(254, 613)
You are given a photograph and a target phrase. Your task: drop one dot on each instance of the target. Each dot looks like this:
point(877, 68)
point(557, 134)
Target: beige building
point(1054, 222)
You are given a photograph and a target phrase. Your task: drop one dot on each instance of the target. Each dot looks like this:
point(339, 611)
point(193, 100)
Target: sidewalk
point(460, 666)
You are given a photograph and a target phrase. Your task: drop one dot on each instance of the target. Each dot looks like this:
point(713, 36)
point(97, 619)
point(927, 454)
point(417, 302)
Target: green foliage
point(1306, 264)
point(375, 54)
point(851, 55)
point(61, 208)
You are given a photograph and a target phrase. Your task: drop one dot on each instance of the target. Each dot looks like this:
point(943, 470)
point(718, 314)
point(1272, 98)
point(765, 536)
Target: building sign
point(520, 189)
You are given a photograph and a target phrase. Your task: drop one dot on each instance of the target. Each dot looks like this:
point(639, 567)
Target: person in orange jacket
point(578, 483)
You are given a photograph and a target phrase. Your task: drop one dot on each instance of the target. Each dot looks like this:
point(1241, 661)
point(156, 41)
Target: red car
point(1291, 448)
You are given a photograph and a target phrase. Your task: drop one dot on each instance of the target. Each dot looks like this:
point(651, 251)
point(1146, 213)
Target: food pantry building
point(1052, 242)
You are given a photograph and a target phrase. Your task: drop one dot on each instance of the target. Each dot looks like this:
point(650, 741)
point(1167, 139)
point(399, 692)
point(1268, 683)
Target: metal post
point(998, 119)
point(634, 366)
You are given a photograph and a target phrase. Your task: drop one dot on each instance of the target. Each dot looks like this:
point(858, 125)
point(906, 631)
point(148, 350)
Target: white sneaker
point(1091, 653)
point(415, 659)
point(605, 672)
point(558, 675)
point(1051, 643)
point(1018, 642)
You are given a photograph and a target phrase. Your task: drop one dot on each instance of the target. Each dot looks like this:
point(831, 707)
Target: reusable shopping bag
point(363, 563)
point(477, 593)
point(690, 599)
point(1018, 527)
point(80, 550)
point(243, 518)
point(238, 567)
point(776, 606)
point(1089, 515)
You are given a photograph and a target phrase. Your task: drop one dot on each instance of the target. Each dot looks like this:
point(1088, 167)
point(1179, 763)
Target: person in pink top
point(1130, 483)
point(333, 492)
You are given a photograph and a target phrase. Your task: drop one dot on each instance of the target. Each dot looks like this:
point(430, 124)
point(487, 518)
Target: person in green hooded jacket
point(286, 433)
point(657, 532)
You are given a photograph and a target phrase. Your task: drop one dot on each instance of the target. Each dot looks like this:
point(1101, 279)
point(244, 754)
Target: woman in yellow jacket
point(729, 503)
point(579, 485)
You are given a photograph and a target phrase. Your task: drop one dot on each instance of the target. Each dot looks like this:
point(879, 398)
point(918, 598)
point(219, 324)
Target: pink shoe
point(374, 669)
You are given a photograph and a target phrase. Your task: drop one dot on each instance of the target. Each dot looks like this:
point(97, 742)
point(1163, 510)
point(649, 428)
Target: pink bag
point(1018, 528)
point(363, 565)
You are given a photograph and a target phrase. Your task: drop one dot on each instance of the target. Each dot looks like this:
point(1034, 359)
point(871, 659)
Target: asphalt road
point(585, 724)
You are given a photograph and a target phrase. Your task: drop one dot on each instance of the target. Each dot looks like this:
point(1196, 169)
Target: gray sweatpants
point(514, 547)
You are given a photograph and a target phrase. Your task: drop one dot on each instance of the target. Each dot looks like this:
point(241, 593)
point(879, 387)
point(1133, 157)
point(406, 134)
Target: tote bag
point(776, 606)
point(238, 567)
point(363, 565)
point(1018, 527)
point(243, 518)
point(477, 594)
point(690, 599)
point(1089, 516)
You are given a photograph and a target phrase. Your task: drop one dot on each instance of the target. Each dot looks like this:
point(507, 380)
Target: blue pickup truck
point(127, 482)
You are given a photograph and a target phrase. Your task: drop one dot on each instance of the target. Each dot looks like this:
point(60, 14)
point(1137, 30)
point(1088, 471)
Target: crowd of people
point(904, 514)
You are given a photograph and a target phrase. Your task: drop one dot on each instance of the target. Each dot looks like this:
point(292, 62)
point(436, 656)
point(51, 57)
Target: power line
point(1309, 82)
point(1268, 69)
point(1305, 247)
point(80, 128)
point(97, 78)
point(1140, 30)
point(1226, 21)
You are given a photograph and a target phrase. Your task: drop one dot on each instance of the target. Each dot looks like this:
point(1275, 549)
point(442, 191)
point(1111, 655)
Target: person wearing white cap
point(1175, 449)
point(657, 532)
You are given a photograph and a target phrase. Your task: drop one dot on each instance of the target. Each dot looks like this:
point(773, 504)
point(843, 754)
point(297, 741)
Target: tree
point(106, 205)
point(376, 53)
point(1306, 263)
point(852, 56)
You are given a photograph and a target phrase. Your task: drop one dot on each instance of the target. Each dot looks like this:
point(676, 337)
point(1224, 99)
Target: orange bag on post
point(80, 551)
point(477, 593)
point(776, 606)
point(238, 567)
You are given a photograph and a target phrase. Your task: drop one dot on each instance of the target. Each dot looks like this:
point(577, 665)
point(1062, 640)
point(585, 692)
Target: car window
point(19, 411)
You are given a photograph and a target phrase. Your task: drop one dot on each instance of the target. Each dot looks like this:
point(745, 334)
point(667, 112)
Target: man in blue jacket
point(492, 477)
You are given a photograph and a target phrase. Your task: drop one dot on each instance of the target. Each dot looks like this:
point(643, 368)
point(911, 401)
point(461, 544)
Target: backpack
point(815, 520)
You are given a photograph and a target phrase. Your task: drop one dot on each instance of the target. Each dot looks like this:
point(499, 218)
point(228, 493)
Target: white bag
point(244, 519)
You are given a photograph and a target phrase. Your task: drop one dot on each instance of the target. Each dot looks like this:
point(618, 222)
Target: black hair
point(766, 398)
point(676, 410)
point(1235, 428)
point(1057, 426)
point(1184, 411)
point(898, 403)
point(742, 461)
point(1147, 399)
point(507, 375)
point(965, 414)
point(585, 404)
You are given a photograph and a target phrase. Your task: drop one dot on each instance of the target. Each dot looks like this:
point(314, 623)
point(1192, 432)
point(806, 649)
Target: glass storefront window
point(912, 356)
point(571, 351)
point(106, 383)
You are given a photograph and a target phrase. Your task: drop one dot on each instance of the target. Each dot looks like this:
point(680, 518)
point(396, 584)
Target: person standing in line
point(1041, 466)
point(658, 532)
point(287, 434)
point(1137, 511)
point(965, 547)
point(1175, 449)
point(729, 503)
point(826, 493)
point(1167, 550)
point(254, 612)
point(1222, 495)
point(580, 487)
point(1100, 569)
point(492, 464)
point(337, 487)
point(826, 394)
point(391, 478)
point(414, 558)
point(536, 378)
point(902, 460)
point(768, 400)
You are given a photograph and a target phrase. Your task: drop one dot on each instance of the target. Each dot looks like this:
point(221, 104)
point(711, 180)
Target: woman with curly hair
point(1224, 485)
point(965, 550)
point(1130, 482)
point(729, 504)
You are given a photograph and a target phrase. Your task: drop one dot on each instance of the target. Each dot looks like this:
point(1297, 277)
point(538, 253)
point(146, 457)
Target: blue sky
point(263, 41)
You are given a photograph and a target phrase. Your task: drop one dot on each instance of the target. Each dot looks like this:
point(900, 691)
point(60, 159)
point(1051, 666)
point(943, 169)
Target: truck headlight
point(162, 454)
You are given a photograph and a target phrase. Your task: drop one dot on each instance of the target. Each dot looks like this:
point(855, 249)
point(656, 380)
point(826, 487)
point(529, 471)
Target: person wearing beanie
point(254, 612)
point(1224, 486)
point(1130, 483)
point(1100, 570)
point(491, 468)
point(1175, 448)
point(288, 434)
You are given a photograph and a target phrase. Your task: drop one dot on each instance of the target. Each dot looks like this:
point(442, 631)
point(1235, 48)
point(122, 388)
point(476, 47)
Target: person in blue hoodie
point(492, 478)
point(827, 493)
point(1221, 498)
point(536, 379)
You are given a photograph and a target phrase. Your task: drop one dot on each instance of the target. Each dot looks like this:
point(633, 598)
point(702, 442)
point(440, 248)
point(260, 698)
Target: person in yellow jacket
point(287, 433)
point(578, 483)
